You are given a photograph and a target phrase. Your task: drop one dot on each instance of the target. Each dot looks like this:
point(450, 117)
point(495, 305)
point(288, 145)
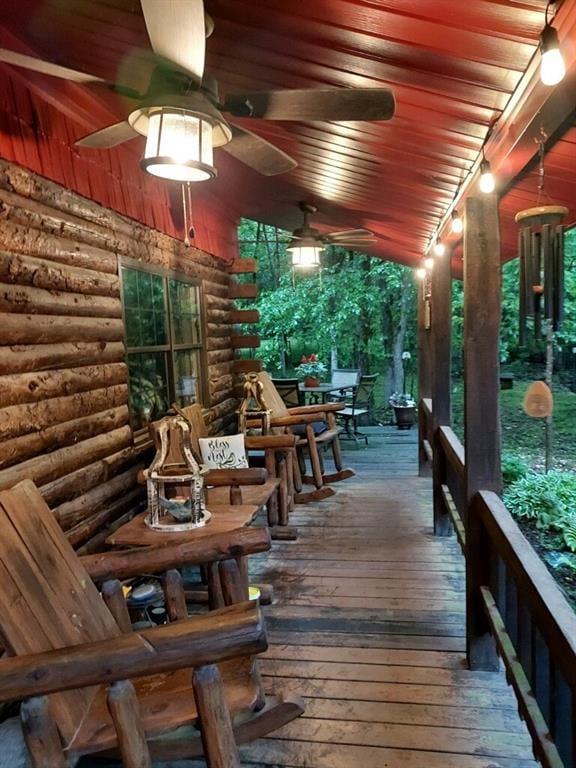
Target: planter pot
point(311, 381)
point(405, 416)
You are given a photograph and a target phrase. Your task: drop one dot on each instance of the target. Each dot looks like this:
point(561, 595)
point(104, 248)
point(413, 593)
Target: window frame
point(171, 347)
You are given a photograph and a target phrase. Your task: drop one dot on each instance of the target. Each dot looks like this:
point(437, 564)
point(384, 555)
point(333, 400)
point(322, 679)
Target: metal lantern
point(541, 248)
point(175, 481)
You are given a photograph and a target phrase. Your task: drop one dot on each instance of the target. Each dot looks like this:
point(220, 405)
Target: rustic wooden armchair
point(90, 684)
point(277, 493)
point(315, 429)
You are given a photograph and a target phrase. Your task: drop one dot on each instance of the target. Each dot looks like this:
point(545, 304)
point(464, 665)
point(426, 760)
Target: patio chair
point(289, 392)
point(344, 380)
point(91, 684)
point(359, 405)
point(315, 429)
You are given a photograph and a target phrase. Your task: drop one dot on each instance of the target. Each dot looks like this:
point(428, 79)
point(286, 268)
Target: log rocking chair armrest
point(296, 419)
point(318, 408)
point(224, 477)
point(223, 634)
point(272, 442)
point(210, 549)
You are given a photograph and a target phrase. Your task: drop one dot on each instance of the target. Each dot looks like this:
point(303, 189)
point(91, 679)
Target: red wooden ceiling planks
point(451, 65)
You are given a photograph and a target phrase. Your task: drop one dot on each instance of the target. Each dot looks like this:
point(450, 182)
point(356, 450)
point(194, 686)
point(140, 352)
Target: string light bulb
point(420, 273)
point(487, 183)
point(457, 223)
point(552, 67)
point(429, 263)
point(439, 248)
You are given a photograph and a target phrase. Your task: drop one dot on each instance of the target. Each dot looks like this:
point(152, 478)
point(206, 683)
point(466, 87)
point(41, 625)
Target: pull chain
point(189, 233)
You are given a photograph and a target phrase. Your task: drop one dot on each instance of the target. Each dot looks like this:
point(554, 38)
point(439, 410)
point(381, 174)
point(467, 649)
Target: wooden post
point(215, 723)
point(482, 308)
point(125, 711)
point(41, 734)
point(441, 381)
point(424, 379)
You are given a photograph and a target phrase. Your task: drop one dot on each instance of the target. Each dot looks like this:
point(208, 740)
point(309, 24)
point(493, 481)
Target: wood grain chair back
point(272, 397)
point(197, 423)
point(288, 391)
point(47, 600)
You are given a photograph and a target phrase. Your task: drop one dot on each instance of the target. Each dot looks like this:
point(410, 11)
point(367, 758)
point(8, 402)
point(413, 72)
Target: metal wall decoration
point(541, 249)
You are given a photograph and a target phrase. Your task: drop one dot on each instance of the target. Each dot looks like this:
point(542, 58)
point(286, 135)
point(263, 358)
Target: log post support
point(125, 711)
point(424, 377)
point(441, 382)
point(482, 308)
point(113, 596)
point(41, 734)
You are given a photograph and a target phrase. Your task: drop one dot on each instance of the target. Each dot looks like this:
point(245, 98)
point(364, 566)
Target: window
point(163, 322)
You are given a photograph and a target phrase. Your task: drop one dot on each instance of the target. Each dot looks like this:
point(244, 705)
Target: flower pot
point(311, 381)
point(405, 416)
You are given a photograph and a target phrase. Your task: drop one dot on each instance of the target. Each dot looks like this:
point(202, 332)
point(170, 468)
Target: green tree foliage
point(353, 309)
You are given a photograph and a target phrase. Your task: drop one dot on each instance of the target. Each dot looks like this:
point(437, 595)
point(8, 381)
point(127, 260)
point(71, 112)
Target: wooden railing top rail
point(552, 613)
point(453, 450)
point(427, 406)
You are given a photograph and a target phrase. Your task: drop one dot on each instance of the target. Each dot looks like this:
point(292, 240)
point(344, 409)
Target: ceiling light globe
point(420, 273)
point(487, 182)
point(439, 248)
point(457, 223)
point(552, 67)
point(305, 256)
point(429, 263)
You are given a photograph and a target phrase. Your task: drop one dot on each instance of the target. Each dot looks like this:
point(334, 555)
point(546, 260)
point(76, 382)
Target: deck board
point(368, 626)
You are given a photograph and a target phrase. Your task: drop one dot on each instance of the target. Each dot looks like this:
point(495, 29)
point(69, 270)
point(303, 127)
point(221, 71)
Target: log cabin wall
point(64, 418)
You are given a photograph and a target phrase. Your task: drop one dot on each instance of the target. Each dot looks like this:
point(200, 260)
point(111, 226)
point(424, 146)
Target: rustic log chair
point(315, 429)
point(77, 654)
point(277, 494)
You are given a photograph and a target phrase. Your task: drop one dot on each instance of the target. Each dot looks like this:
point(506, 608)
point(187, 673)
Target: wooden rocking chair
point(76, 657)
point(303, 421)
point(277, 493)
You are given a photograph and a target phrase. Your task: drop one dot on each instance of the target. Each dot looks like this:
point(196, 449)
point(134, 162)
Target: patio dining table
point(320, 391)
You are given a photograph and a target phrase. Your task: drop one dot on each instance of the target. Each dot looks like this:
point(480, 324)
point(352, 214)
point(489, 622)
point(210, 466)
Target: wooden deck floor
point(368, 628)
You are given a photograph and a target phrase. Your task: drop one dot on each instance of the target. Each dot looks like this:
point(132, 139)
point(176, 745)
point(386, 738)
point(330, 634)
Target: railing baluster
point(511, 608)
point(524, 645)
point(541, 674)
point(564, 721)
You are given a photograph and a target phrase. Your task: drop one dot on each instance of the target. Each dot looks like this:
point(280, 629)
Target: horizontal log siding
point(64, 419)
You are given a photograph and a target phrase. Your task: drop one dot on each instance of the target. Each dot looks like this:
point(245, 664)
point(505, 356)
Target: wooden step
point(243, 266)
point(245, 341)
point(248, 316)
point(246, 366)
point(243, 291)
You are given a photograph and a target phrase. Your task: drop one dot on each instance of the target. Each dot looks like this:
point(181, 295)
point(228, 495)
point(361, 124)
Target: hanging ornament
point(541, 250)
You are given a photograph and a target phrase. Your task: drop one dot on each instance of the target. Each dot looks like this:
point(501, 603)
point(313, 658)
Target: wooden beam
point(244, 316)
point(245, 341)
point(441, 382)
point(246, 366)
point(243, 266)
point(243, 291)
point(482, 308)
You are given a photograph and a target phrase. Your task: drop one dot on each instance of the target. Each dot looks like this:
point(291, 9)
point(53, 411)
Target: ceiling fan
point(306, 242)
point(181, 112)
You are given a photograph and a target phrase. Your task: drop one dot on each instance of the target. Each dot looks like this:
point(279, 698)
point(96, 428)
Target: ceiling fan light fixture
point(305, 253)
point(552, 67)
point(179, 145)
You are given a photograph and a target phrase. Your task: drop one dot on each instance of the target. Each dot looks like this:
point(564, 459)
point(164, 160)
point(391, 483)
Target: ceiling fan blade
point(314, 104)
point(358, 245)
point(46, 68)
point(258, 153)
point(177, 32)
point(108, 137)
point(350, 234)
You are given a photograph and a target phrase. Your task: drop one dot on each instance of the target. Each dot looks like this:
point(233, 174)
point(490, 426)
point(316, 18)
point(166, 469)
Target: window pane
point(187, 371)
point(185, 308)
point(148, 387)
point(144, 308)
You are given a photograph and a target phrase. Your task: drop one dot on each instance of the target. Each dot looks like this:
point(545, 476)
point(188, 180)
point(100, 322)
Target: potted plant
point(404, 407)
point(310, 369)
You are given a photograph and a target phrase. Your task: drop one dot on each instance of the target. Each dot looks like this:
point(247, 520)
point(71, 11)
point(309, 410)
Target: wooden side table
point(225, 517)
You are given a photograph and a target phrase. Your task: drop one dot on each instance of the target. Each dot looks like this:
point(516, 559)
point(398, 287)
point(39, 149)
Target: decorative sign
point(538, 400)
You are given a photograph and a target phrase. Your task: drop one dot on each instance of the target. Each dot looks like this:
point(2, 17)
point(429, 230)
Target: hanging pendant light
point(552, 67)
point(487, 183)
point(457, 223)
point(179, 145)
point(439, 248)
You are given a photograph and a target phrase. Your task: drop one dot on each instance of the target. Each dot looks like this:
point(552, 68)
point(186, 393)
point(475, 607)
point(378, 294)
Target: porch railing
point(532, 623)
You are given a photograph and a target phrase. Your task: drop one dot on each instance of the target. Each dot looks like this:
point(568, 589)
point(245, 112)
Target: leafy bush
point(514, 468)
point(569, 532)
point(548, 499)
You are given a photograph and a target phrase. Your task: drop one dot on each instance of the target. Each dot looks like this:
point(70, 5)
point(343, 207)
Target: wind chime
point(541, 249)
point(541, 246)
